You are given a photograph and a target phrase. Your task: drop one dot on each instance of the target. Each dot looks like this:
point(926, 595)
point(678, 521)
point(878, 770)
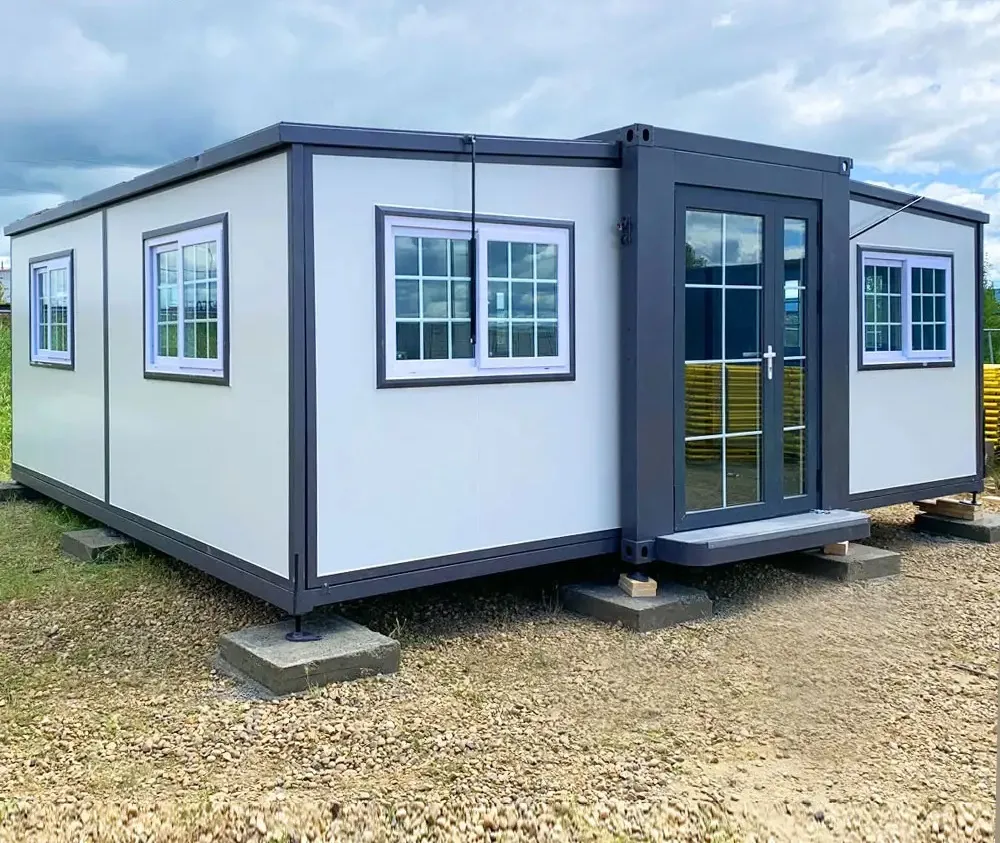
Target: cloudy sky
point(96, 91)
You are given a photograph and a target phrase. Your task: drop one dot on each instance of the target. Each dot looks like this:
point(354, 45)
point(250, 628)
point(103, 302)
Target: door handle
point(769, 356)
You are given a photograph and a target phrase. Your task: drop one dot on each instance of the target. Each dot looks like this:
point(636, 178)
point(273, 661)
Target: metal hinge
point(625, 230)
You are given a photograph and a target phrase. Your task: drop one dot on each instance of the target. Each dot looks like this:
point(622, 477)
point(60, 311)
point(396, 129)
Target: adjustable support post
point(299, 635)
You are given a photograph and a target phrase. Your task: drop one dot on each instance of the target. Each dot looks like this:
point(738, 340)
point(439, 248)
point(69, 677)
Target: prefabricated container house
point(323, 363)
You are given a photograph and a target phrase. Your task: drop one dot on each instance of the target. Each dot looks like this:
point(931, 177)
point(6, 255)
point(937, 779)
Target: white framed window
point(51, 306)
point(186, 278)
point(522, 307)
point(906, 302)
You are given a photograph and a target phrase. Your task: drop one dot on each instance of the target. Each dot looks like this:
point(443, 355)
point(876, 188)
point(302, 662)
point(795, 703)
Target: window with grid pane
point(520, 297)
point(522, 294)
point(433, 320)
point(52, 310)
point(905, 308)
point(186, 277)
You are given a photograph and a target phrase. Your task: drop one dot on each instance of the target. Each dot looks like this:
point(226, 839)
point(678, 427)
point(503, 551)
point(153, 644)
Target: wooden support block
point(837, 549)
point(948, 508)
point(637, 588)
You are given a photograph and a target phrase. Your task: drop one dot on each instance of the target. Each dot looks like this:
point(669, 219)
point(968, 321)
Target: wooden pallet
point(950, 508)
point(637, 588)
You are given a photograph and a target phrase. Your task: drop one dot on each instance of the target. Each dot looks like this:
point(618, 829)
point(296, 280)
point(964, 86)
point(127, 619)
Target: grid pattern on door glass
point(883, 312)
point(723, 295)
point(794, 358)
point(52, 287)
point(928, 308)
point(432, 284)
point(522, 299)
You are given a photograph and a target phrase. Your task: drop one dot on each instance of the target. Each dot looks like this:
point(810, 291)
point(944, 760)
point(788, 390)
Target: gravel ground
point(804, 710)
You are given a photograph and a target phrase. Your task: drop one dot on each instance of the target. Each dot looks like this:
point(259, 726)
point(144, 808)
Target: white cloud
point(909, 88)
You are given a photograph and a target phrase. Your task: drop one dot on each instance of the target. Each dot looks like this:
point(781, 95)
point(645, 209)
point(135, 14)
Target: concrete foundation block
point(92, 545)
point(985, 528)
point(11, 490)
point(861, 562)
point(346, 651)
point(673, 604)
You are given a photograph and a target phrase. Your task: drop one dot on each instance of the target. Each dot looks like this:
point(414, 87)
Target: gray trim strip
point(861, 248)
point(648, 409)
point(463, 158)
point(724, 148)
point(217, 563)
point(897, 198)
point(919, 491)
point(300, 353)
point(215, 380)
point(459, 566)
point(699, 170)
point(381, 381)
point(373, 140)
point(834, 307)
point(308, 563)
point(980, 399)
point(107, 363)
point(50, 364)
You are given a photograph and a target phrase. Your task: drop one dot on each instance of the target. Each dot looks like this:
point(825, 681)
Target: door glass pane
point(744, 249)
point(742, 470)
point(795, 253)
point(742, 324)
point(703, 248)
point(703, 323)
point(880, 286)
point(703, 474)
point(794, 394)
point(743, 397)
point(723, 314)
point(793, 320)
point(795, 463)
point(703, 399)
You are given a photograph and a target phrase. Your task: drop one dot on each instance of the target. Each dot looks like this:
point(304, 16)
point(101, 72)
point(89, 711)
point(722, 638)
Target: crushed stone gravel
point(804, 710)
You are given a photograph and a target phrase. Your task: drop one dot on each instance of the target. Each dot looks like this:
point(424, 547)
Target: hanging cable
point(471, 141)
point(885, 218)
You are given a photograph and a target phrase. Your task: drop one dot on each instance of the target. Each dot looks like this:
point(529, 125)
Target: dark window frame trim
point(69, 365)
point(215, 380)
point(384, 382)
point(862, 248)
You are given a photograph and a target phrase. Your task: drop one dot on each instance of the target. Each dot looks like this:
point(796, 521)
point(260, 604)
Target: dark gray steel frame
point(70, 365)
point(773, 503)
point(650, 169)
point(382, 382)
point(861, 248)
point(217, 380)
point(650, 176)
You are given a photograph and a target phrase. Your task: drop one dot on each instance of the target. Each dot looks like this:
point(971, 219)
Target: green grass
point(5, 413)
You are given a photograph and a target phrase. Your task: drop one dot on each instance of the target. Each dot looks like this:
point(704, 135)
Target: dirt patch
point(804, 710)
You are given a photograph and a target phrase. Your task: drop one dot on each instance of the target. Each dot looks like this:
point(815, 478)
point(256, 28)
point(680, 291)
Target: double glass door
point(744, 341)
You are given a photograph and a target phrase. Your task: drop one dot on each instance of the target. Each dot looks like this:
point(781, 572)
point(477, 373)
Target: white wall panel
point(208, 461)
point(412, 473)
point(58, 413)
point(913, 426)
